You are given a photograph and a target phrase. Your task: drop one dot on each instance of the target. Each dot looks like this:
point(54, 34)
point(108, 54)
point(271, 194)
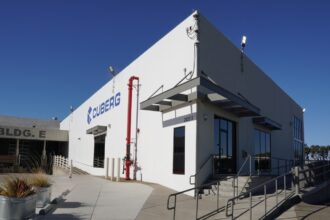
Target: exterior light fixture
point(205, 117)
point(243, 43)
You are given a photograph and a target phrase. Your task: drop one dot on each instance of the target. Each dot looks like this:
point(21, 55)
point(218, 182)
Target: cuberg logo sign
point(105, 106)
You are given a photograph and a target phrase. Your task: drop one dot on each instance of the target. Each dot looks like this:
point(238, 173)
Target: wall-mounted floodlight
point(112, 71)
point(243, 43)
point(303, 110)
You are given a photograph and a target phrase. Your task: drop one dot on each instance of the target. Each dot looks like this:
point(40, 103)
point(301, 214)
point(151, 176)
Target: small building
point(30, 141)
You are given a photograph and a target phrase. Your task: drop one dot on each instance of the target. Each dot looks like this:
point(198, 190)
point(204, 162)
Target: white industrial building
point(199, 104)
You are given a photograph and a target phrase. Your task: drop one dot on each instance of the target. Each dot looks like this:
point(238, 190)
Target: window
point(224, 145)
point(262, 150)
point(223, 137)
point(179, 150)
point(298, 142)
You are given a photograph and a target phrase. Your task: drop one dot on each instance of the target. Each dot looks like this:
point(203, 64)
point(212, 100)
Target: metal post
point(250, 165)
point(107, 169)
point(265, 194)
point(197, 198)
point(70, 175)
point(118, 169)
point(233, 186)
point(217, 196)
point(43, 161)
point(250, 205)
point(112, 169)
point(174, 210)
point(276, 193)
point(236, 187)
point(44, 150)
point(284, 186)
point(17, 152)
point(232, 208)
point(296, 173)
point(292, 183)
point(259, 166)
point(278, 167)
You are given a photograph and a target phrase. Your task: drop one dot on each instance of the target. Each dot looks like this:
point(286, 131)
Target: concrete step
point(240, 184)
point(222, 194)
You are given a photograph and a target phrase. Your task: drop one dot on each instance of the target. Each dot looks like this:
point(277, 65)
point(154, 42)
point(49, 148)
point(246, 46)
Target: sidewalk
point(88, 197)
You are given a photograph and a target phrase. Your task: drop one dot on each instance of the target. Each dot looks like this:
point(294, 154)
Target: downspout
point(196, 45)
point(128, 161)
point(137, 130)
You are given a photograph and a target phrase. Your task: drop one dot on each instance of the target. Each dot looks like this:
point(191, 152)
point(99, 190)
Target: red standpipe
point(128, 161)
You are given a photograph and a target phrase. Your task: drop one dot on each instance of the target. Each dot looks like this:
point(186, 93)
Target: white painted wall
point(162, 64)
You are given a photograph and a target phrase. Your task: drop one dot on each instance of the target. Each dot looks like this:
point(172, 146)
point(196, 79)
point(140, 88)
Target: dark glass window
point(223, 137)
point(224, 146)
point(262, 150)
point(179, 150)
point(298, 142)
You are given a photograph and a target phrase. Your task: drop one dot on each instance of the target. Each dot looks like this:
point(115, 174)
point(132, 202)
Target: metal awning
point(267, 122)
point(207, 91)
point(98, 129)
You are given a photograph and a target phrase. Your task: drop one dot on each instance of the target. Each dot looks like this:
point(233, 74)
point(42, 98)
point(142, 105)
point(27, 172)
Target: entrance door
point(225, 146)
point(99, 145)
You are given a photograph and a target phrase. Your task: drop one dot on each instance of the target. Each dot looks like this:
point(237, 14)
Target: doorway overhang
point(205, 90)
point(267, 122)
point(97, 130)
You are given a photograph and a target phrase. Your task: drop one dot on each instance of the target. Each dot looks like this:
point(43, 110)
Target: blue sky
point(54, 54)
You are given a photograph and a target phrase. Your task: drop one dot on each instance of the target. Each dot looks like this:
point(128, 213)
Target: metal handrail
point(197, 191)
point(247, 158)
point(250, 191)
point(200, 169)
point(98, 163)
point(235, 179)
point(254, 157)
point(295, 188)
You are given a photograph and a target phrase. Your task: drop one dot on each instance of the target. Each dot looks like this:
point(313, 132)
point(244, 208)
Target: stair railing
point(172, 200)
point(200, 169)
point(285, 167)
point(285, 185)
point(263, 187)
point(235, 179)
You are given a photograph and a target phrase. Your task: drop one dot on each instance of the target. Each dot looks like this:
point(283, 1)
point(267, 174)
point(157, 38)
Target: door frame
point(234, 146)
